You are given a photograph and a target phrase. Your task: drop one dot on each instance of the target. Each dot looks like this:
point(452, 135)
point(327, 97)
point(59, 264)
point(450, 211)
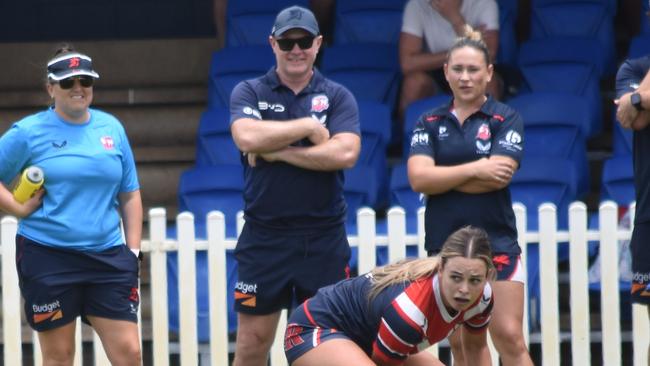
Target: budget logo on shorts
point(51, 311)
point(246, 293)
point(319, 103)
point(107, 142)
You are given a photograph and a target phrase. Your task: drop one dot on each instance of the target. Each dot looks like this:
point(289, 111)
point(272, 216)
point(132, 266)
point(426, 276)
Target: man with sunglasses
point(72, 257)
point(297, 131)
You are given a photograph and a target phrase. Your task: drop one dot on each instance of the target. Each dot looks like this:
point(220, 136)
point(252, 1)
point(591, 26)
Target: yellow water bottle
point(30, 181)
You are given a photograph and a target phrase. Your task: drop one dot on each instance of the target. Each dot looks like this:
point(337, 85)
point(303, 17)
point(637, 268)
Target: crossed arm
point(479, 176)
point(271, 141)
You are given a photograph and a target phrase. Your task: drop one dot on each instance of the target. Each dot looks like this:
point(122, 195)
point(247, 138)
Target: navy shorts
point(276, 270)
point(640, 251)
point(60, 284)
point(303, 334)
point(509, 267)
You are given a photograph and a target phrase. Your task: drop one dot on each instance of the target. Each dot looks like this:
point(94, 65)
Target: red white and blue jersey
point(401, 320)
point(495, 129)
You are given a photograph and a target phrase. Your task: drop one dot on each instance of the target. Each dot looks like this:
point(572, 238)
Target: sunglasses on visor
point(68, 83)
point(286, 44)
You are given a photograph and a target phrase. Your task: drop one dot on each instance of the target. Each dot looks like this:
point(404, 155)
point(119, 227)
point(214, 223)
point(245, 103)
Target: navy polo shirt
point(283, 196)
point(496, 129)
point(628, 78)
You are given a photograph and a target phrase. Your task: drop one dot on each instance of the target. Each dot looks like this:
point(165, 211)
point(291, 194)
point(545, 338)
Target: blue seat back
point(214, 142)
point(547, 66)
point(413, 113)
point(208, 188)
point(376, 124)
point(555, 126)
point(369, 71)
point(621, 140)
point(544, 179)
point(359, 189)
point(507, 54)
point(368, 21)
point(618, 180)
point(249, 22)
point(231, 65)
point(581, 18)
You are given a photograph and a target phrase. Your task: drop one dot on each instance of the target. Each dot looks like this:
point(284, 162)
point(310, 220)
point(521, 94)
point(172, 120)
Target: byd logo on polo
point(275, 107)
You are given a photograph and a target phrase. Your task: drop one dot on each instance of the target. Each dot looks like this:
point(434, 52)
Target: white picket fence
point(397, 238)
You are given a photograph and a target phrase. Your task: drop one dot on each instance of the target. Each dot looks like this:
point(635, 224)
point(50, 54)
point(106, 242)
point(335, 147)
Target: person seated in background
point(429, 29)
point(387, 316)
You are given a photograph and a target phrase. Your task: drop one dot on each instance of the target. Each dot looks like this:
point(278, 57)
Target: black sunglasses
point(286, 44)
point(85, 81)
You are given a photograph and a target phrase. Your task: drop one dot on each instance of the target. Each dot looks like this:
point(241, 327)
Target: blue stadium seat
point(376, 123)
point(413, 113)
point(360, 190)
point(544, 179)
point(201, 190)
point(618, 180)
point(508, 11)
point(369, 71)
point(231, 65)
point(640, 45)
point(214, 143)
point(621, 140)
point(368, 21)
point(401, 194)
point(564, 65)
point(249, 22)
point(591, 19)
point(555, 126)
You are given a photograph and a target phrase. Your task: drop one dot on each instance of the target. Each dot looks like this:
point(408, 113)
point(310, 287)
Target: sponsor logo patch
point(246, 294)
point(107, 142)
point(320, 103)
point(275, 107)
point(51, 311)
point(483, 132)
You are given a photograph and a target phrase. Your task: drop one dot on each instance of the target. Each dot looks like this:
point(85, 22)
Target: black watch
point(635, 98)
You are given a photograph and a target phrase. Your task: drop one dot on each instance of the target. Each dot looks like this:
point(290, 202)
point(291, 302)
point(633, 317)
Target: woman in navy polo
point(462, 158)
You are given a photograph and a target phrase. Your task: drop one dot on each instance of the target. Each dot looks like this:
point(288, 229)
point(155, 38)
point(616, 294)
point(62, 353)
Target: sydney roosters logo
point(74, 62)
point(483, 132)
point(107, 142)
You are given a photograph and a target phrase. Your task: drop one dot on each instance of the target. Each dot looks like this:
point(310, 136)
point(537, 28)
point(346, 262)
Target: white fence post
point(218, 288)
point(13, 352)
point(522, 228)
point(580, 342)
point(367, 234)
point(158, 268)
point(187, 309)
point(277, 348)
point(549, 284)
point(396, 234)
point(609, 296)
